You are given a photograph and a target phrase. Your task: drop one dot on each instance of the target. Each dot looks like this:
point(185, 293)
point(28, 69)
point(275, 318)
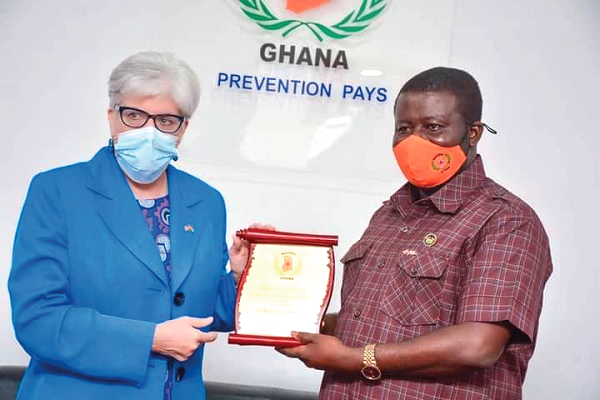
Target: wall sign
point(354, 21)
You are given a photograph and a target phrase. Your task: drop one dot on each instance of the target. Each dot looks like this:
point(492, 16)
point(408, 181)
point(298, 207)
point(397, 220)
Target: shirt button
point(413, 271)
point(381, 263)
point(404, 229)
point(179, 374)
point(357, 313)
point(178, 299)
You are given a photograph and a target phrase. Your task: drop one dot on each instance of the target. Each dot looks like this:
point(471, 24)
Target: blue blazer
point(88, 287)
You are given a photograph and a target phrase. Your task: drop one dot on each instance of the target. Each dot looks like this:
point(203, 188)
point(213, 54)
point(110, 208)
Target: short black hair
point(458, 82)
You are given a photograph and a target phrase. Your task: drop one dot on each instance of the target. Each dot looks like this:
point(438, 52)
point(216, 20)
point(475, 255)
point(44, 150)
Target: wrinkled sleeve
point(225, 305)
point(506, 277)
point(47, 323)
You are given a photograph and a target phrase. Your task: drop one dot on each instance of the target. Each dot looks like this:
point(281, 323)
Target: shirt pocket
point(353, 260)
point(356, 252)
point(413, 294)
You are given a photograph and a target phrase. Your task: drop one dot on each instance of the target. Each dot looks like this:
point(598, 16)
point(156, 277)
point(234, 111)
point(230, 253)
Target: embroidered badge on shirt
point(188, 228)
point(430, 239)
point(409, 252)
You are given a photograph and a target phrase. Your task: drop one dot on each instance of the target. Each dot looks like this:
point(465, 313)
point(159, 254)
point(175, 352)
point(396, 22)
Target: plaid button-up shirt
point(471, 252)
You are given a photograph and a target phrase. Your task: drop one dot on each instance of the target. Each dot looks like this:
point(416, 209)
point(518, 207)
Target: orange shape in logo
point(299, 6)
point(288, 263)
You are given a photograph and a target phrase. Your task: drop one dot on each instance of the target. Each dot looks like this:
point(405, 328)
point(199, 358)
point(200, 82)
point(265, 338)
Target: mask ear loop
point(489, 128)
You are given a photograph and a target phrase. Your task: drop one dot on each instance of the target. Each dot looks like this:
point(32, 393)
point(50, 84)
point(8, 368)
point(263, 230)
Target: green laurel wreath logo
point(352, 23)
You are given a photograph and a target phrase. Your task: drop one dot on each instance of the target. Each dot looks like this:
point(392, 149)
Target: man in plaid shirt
point(442, 293)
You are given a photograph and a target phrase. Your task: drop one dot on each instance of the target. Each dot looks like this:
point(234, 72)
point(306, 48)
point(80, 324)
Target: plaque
point(286, 286)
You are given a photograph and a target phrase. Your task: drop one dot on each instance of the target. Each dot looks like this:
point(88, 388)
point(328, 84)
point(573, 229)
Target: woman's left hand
point(239, 251)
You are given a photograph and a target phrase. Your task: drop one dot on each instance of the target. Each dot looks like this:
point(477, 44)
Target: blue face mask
point(145, 153)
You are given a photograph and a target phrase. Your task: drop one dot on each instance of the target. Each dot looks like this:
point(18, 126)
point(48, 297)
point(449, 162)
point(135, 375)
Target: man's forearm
point(447, 351)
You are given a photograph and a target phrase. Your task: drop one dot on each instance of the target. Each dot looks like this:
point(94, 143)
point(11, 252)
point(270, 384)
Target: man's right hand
point(179, 338)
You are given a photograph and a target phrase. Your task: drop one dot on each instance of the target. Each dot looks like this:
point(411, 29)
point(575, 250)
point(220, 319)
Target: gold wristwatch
point(370, 370)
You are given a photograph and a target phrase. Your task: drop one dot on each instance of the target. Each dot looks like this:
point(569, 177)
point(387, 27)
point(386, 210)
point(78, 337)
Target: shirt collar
point(449, 197)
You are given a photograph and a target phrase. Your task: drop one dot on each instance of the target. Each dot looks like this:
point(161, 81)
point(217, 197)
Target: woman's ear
point(183, 129)
point(113, 123)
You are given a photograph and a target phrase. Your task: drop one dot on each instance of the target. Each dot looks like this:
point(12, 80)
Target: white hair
point(151, 73)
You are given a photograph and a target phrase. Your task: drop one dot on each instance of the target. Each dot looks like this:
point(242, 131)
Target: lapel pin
point(188, 228)
point(430, 239)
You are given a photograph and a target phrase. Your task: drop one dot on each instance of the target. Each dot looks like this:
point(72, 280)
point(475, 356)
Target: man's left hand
point(324, 352)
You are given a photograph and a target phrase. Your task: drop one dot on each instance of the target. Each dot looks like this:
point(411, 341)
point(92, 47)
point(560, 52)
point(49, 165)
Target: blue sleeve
point(225, 304)
point(48, 323)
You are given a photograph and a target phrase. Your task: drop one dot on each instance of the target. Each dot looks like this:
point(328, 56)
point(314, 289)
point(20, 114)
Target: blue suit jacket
point(88, 286)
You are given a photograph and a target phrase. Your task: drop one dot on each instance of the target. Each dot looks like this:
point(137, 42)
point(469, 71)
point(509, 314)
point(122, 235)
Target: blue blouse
point(157, 214)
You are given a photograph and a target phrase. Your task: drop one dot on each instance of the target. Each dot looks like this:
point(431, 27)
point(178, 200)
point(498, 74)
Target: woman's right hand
point(179, 338)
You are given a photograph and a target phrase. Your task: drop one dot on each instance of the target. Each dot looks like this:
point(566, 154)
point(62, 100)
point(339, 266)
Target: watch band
point(370, 370)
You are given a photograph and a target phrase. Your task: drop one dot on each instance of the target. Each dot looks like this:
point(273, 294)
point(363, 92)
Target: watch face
point(371, 372)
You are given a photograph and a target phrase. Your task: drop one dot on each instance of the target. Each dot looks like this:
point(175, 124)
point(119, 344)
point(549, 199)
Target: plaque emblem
point(287, 264)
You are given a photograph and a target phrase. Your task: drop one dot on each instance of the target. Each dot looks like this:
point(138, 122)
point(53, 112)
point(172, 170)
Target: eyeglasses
point(136, 118)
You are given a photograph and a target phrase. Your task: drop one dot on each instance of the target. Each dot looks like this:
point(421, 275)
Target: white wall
point(536, 62)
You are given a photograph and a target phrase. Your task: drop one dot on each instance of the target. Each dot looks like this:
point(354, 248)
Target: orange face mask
point(425, 164)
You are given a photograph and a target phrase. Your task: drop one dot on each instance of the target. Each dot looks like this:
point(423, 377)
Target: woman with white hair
point(119, 263)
